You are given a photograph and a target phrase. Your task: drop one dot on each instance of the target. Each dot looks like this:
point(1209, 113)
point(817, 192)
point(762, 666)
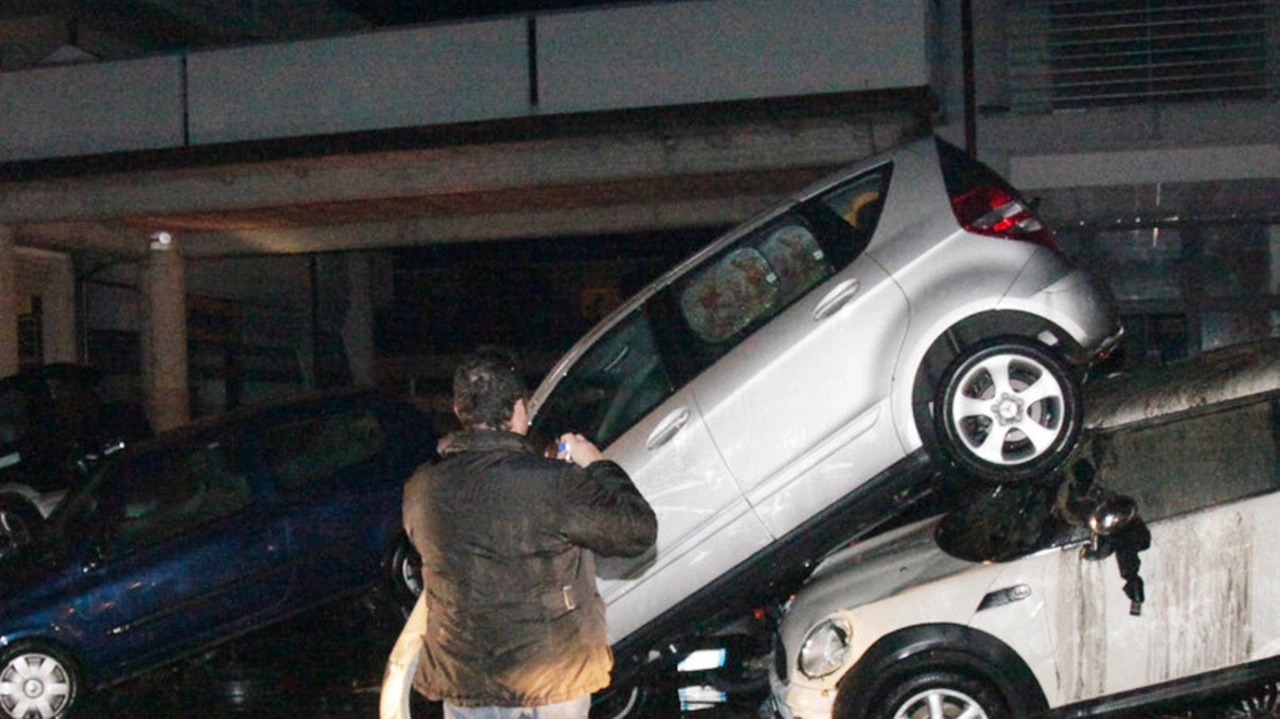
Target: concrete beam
point(598, 220)
point(106, 237)
point(448, 172)
point(1195, 164)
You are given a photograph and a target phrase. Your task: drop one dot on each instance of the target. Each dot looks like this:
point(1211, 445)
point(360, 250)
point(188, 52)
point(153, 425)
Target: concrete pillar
point(165, 335)
point(59, 328)
point(8, 303)
point(50, 276)
point(357, 322)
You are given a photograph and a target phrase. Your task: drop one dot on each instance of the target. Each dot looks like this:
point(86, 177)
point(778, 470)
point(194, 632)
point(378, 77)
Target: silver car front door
point(705, 526)
point(622, 394)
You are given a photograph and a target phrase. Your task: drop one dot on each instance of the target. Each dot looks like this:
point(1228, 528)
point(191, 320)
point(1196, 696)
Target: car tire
point(1007, 410)
point(404, 573)
point(920, 696)
point(636, 700)
point(18, 521)
point(36, 681)
point(1258, 702)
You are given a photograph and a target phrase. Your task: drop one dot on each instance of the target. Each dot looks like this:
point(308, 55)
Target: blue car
point(203, 534)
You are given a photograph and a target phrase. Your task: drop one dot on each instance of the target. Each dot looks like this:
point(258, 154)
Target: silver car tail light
point(994, 211)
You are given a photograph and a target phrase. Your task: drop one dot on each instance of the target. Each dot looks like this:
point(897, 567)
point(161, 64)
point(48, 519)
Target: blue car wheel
point(36, 682)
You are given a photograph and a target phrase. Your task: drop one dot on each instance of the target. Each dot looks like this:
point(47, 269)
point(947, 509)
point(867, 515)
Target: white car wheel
point(36, 684)
point(940, 703)
point(941, 695)
point(636, 700)
point(1008, 410)
point(619, 704)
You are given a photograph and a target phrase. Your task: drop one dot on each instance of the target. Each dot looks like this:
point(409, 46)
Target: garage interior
point(218, 204)
point(325, 238)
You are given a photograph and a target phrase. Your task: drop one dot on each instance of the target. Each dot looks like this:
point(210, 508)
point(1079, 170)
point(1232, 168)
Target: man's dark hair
point(486, 386)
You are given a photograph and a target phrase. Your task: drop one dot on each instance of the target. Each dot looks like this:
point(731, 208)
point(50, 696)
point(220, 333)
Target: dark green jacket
point(506, 538)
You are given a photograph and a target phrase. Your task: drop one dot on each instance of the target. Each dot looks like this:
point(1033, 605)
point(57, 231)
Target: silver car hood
point(881, 567)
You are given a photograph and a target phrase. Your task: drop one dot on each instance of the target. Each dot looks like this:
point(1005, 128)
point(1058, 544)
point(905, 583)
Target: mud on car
point(1141, 581)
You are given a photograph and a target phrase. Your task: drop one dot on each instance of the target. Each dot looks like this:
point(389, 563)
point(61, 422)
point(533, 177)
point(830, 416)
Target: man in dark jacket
point(515, 626)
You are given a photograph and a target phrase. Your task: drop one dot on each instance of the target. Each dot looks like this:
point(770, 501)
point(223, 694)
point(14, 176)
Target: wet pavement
point(324, 664)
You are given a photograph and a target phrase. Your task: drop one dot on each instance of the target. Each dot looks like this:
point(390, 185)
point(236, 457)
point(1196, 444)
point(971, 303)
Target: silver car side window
point(797, 259)
point(763, 273)
point(743, 287)
point(858, 204)
point(730, 294)
point(616, 383)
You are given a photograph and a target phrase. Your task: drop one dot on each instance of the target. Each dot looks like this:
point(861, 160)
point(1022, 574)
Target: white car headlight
point(824, 648)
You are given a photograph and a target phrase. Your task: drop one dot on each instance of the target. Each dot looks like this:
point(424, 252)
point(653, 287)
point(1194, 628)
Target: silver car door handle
point(836, 298)
point(668, 428)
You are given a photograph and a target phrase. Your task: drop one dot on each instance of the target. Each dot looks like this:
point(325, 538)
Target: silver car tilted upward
point(911, 304)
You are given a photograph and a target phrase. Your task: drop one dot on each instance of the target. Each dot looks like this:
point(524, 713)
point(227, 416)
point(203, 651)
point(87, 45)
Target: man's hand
point(578, 449)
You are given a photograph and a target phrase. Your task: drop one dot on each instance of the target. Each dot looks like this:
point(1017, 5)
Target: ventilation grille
point(1075, 54)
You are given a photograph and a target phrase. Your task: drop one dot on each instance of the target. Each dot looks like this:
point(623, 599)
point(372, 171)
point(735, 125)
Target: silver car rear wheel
point(36, 683)
point(1008, 409)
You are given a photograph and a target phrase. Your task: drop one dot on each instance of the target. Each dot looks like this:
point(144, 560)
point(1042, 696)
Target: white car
point(1012, 606)
point(789, 383)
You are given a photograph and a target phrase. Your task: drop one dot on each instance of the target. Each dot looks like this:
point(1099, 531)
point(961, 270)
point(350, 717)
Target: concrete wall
point(90, 109)
point(428, 76)
point(741, 49)
point(701, 51)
